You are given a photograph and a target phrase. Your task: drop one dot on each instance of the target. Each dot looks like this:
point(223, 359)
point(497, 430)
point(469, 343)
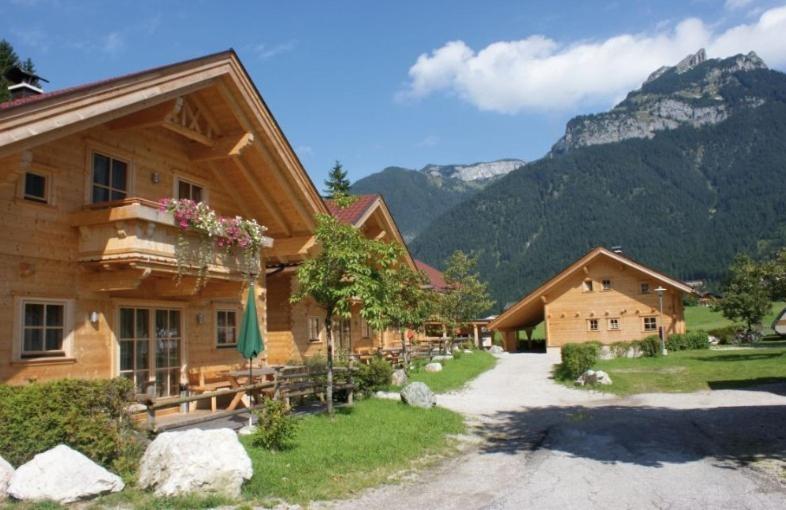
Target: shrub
point(87, 415)
point(468, 345)
point(650, 346)
point(375, 375)
point(276, 427)
point(578, 358)
point(457, 354)
point(726, 335)
point(688, 341)
point(620, 349)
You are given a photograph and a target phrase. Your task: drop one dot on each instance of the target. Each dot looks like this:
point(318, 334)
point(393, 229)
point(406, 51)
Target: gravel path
point(541, 445)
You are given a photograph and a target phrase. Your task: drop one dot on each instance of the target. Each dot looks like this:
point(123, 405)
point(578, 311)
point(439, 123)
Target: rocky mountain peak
point(475, 171)
point(697, 91)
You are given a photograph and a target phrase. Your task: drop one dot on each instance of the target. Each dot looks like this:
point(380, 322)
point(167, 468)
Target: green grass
point(363, 446)
point(456, 373)
point(687, 371)
point(702, 317)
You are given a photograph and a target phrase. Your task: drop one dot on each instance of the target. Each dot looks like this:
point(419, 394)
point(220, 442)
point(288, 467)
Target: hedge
point(87, 415)
point(578, 358)
point(691, 340)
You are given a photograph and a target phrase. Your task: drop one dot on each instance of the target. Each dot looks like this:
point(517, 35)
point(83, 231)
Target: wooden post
point(477, 336)
point(151, 417)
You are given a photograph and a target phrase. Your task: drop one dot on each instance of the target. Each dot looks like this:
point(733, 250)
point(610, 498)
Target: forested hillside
point(685, 200)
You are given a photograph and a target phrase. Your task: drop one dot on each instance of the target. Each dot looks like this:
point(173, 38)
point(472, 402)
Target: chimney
point(23, 83)
point(617, 249)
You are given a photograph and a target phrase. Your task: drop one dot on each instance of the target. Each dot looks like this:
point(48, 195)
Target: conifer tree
point(337, 184)
point(8, 58)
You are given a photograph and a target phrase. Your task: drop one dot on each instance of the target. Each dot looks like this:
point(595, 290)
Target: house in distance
point(604, 297)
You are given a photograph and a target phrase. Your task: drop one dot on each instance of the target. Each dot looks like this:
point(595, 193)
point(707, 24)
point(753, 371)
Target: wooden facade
point(87, 259)
point(604, 297)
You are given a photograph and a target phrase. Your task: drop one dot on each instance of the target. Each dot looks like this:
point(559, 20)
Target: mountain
point(416, 197)
point(682, 192)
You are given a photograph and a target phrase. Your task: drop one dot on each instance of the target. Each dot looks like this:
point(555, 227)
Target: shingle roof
point(435, 276)
point(352, 213)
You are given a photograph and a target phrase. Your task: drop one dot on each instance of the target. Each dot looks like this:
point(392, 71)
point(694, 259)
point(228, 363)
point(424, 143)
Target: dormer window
point(606, 283)
point(587, 286)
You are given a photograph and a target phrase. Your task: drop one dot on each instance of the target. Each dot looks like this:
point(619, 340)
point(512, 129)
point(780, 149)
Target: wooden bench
point(209, 379)
point(300, 381)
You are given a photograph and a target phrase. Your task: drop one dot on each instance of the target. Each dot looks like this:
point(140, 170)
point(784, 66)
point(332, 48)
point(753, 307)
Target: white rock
point(6, 473)
point(417, 394)
point(63, 475)
point(442, 357)
point(593, 377)
point(496, 349)
point(714, 340)
point(467, 351)
point(388, 395)
point(433, 367)
point(399, 377)
point(195, 461)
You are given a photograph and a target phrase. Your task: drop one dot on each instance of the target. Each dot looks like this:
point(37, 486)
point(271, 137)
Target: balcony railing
point(136, 231)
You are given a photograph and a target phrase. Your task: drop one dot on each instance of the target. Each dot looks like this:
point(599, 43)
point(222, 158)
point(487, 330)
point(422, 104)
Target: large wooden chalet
point(87, 258)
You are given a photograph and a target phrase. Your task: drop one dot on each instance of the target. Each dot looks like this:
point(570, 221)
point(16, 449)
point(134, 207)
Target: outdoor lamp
point(660, 291)
point(94, 317)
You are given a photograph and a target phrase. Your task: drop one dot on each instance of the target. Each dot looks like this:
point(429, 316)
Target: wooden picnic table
point(257, 373)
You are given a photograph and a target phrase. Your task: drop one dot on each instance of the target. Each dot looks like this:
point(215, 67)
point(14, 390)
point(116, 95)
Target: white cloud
point(265, 51)
point(737, 4)
point(538, 73)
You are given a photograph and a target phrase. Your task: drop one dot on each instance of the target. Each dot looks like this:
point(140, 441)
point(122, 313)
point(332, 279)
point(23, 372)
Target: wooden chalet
point(604, 297)
point(87, 258)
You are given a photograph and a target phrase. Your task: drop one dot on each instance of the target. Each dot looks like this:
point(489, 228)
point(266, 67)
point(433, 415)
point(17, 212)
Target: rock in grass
point(6, 473)
point(593, 377)
point(63, 475)
point(496, 349)
point(433, 367)
point(195, 461)
point(442, 357)
point(417, 394)
point(399, 377)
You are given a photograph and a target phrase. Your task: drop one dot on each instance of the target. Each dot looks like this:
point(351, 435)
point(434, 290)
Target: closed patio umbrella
point(249, 342)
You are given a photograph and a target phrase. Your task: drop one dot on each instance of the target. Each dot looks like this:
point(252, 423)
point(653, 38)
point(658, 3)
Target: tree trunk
point(329, 375)
point(404, 356)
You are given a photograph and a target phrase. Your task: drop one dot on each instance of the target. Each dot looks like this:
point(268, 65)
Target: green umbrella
point(249, 342)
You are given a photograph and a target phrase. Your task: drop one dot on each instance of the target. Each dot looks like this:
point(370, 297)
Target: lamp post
point(660, 291)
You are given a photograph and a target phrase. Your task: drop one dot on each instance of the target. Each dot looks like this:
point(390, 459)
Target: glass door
point(150, 352)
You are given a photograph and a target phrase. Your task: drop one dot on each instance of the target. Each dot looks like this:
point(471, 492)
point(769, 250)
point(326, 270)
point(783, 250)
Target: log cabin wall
point(38, 254)
point(570, 306)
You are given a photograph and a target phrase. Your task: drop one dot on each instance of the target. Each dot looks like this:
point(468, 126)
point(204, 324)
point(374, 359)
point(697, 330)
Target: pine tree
point(28, 66)
point(8, 58)
point(337, 184)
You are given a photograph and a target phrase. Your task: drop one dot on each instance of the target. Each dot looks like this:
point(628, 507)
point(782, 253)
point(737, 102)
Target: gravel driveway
point(541, 445)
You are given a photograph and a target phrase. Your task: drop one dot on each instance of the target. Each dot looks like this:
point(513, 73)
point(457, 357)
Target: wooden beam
point(285, 186)
point(126, 279)
point(150, 117)
point(381, 235)
point(187, 132)
point(229, 188)
point(267, 200)
point(229, 146)
point(287, 247)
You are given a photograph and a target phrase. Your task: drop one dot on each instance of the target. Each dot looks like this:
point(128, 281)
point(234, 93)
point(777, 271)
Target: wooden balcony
point(135, 234)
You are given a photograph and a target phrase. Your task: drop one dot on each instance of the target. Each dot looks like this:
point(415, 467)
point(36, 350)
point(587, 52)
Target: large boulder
point(195, 461)
point(399, 377)
point(63, 475)
point(6, 472)
point(593, 377)
point(433, 367)
point(442, 357)
point(496, 349)
point(417, 394)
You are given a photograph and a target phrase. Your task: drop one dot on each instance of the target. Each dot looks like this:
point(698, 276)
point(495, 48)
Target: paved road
point(541, 445)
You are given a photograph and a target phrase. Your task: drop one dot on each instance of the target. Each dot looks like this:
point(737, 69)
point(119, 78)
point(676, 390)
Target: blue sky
point(403, 83)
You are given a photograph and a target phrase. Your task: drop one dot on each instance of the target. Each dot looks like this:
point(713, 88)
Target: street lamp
point(660, 291)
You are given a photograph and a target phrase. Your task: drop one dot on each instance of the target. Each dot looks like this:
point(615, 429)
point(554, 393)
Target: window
point(150, 349)
point(36, 188)
point(110, 178)
point(186, 189)
point(43, 329)
point(226, 328)
point(650, 324)
point(614, 324)
point(645, 288)
point(592, 324)
point(587, 285)
point(342, 331)
point(314, 329)
point(606, 284)
point(365, 328)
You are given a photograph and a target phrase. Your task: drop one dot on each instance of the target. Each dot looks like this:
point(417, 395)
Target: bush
point(276, 427)
point(578, 358)
point(87, 415)
point(468, 345)
point(457, 354)
point(650, 346)
point(726, 335)
point(374, 376)
point(689, 341)
point(620, 349)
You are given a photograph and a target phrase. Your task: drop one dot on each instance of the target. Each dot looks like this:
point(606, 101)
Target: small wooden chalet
point(604, 296)
point(88, 259)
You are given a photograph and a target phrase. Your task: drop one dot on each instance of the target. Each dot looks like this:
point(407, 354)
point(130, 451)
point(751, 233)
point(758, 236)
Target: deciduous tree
point(746, 294)
point(467, 296)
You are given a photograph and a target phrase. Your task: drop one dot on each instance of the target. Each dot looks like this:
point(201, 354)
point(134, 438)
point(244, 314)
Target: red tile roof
point(435, 276)
point(353, 212)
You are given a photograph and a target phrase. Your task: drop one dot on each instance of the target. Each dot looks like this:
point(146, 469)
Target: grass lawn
point(687, 371)
point(456, 372)
point(362, 447)
point(702, 317)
